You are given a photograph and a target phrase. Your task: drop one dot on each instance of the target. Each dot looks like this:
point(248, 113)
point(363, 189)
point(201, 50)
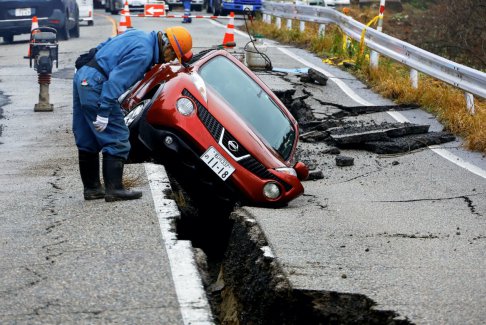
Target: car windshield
point(251, 102)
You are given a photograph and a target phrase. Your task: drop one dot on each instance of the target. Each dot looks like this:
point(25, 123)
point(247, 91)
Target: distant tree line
point(455, 29)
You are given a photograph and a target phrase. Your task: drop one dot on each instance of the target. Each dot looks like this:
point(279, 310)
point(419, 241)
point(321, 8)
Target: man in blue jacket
point(98, 122)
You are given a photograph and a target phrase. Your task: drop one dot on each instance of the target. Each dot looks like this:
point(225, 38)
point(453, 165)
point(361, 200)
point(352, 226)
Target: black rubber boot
point(89, 168)
point(112, 174)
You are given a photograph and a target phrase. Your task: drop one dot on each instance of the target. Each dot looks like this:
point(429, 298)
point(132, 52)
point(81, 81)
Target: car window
point(251, 102)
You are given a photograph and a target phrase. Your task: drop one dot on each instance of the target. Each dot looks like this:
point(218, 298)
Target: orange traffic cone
point(127, 15)
point(122, 26)
point(229, 36)
point(35, 24)
point(125, 20)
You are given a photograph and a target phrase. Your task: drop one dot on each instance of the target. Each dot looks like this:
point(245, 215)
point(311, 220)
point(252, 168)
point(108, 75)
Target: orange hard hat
point(181, 41)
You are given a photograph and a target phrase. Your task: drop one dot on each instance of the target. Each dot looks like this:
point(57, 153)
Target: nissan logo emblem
point(233, 146)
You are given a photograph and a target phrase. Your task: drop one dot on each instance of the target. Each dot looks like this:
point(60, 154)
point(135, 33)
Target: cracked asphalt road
point(406, 230)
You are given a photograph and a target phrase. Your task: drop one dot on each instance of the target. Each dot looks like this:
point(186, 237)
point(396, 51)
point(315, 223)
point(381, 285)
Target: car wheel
point(74, 32)
point(197, 7)
point(90, 23)
point(113, 9)
point(8, 39)
point(63, 32)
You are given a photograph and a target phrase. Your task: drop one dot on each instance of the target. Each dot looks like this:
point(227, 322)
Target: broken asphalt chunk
point(343, 161)
point(408, 143)
point(314, 76)
point(318, 77)
point(315, 174)
point(353, 134)
point(357, 110)
point(314, 136)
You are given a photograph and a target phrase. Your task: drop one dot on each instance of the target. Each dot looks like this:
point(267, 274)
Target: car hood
point(179, 81)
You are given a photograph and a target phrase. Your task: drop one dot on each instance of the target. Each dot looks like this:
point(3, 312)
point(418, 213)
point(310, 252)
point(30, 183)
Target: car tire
point(197, 7)
point(8, 39)
point(75, 31)
point(90, 23)
point(63, 32)
point(114, 10)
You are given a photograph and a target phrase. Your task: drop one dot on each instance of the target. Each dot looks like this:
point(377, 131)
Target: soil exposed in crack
point(261, 293)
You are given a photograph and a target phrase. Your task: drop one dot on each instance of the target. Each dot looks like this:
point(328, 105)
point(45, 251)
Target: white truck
point(115, 6)
point(86, 11)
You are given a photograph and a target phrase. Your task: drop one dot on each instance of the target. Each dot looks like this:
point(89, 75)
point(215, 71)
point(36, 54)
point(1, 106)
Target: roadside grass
point(391, 79)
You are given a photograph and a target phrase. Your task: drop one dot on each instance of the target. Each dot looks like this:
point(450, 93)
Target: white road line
point(444, 153)
point(192, 299)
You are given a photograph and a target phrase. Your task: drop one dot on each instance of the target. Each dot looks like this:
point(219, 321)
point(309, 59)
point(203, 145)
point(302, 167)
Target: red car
point(217, 127)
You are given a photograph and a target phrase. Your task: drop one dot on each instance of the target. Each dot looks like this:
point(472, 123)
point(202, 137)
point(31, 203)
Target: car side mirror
point(302, 171)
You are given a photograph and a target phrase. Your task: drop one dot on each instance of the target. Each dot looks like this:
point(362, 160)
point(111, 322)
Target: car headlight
point(200, 85)
point(271, 190)
point(286, 170)
point(185, 106)
point(130, 117)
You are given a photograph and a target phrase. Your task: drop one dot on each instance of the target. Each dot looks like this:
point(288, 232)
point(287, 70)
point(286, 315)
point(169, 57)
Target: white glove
point(100, 123)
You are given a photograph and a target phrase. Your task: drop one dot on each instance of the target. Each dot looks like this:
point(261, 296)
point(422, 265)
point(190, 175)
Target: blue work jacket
point(125, 58)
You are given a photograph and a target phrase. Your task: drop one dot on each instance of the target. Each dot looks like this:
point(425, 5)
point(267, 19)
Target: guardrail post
point(278, 21)
point(414, 78)
point(289, 23)
point(322, 30)
point(470, 103)
point(374, 56)
point(302, 26)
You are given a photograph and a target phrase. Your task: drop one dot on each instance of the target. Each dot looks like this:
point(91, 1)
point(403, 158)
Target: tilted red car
point(219, 128)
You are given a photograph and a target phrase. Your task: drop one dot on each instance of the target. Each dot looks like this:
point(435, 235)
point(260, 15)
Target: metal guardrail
point(458, 75)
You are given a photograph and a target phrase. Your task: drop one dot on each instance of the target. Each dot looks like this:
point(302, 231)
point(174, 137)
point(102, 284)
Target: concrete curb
point(191, 296)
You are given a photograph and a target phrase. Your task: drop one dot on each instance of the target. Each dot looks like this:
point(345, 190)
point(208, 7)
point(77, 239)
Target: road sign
point(154, 9)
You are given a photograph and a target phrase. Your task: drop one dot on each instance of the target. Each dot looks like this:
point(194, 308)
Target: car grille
point(215, 128)
point(240, 152)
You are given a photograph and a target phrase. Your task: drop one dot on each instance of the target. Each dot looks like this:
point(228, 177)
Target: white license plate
point(23, 12)
point(217, 163)
point(249, 7)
